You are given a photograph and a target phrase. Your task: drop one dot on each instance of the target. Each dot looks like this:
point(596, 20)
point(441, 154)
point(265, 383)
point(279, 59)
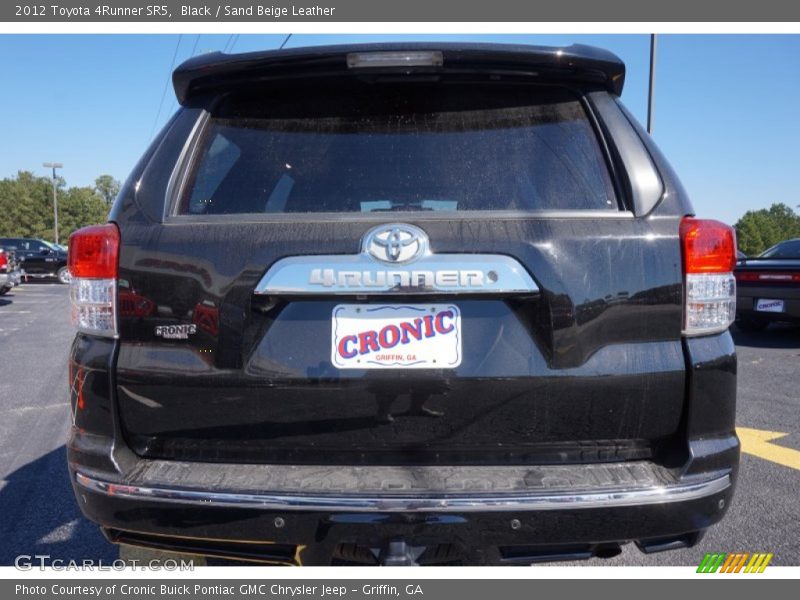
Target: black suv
point(39, 258)
point(403, 304)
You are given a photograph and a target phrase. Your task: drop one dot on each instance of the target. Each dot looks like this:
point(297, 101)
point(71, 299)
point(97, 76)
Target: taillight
point(709, 256)
point(92, 262)
point(767, 277)
point(3, 261)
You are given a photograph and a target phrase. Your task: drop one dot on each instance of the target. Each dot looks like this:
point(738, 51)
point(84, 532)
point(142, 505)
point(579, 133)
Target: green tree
point(78, 207)
point(107, 187)
point(757, 230)
point(26, 207)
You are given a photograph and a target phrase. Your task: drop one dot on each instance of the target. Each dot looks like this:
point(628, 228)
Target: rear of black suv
point(403, 304)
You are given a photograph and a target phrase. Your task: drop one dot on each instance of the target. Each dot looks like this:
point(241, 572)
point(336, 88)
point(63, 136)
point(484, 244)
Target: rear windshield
point(787, 249)
point(404, 148)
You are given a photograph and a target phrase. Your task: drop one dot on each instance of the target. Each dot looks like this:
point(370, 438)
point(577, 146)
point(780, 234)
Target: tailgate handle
point(361, 274)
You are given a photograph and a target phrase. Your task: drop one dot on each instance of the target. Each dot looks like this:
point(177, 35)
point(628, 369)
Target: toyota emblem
point(396, 243)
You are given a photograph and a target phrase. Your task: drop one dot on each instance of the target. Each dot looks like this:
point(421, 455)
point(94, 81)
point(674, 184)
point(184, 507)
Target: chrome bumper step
point(473, 501)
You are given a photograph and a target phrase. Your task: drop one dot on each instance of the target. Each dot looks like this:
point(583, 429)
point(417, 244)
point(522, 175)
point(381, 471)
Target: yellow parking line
point(758, 443)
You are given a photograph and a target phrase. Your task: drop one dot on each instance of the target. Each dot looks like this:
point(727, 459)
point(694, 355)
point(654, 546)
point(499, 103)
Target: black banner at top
point(231, 11)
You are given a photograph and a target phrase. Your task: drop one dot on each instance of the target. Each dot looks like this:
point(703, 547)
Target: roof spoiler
point(578, 63)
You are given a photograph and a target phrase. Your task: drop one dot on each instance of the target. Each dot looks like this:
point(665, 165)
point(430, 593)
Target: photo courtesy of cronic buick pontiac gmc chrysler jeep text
point(403, 304)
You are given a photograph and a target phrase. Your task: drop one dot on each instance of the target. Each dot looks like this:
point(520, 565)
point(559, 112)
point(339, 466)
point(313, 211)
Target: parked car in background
point(768, 287)
point(10, 271)
point(403, 304)
point(39, 258)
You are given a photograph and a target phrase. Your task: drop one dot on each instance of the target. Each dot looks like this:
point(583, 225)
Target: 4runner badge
point(176, 332)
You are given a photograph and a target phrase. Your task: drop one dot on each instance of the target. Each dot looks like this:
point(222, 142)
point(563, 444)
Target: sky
point(725, 105)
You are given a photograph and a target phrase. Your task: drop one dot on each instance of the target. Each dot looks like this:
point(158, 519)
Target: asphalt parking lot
point(38, 514)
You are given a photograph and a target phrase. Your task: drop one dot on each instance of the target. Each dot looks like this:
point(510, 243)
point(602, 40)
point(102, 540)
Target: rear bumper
point(308, 515)
point(468, 528)
point(480, 514)
point(747, 296)
point(470, 503)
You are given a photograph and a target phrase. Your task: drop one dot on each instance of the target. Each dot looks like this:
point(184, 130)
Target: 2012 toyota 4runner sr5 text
point(403, 304)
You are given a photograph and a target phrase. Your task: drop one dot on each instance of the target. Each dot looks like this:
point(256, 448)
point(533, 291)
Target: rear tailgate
point(579, 361)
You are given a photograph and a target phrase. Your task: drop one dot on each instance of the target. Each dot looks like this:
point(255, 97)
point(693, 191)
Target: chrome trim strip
point(473, 503)
point(360, 274)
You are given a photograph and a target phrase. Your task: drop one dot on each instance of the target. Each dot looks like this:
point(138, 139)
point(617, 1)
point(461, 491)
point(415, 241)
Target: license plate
point(396, 336)
point(767, 305)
